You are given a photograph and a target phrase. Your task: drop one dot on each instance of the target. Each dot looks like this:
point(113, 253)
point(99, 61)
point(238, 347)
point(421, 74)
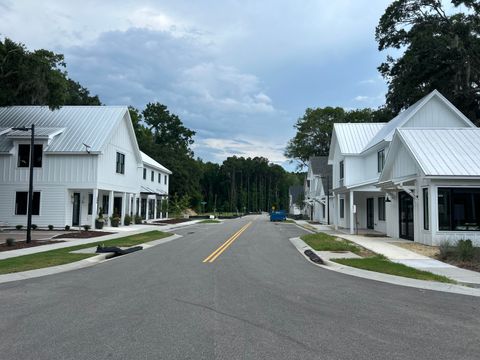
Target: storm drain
point(116, 250)
point(313, 257)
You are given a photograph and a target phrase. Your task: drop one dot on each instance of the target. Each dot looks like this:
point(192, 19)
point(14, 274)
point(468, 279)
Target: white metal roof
point(386, 133)
point(152, 163)
point(352, 137)
point(91, 125)
point(444, 151)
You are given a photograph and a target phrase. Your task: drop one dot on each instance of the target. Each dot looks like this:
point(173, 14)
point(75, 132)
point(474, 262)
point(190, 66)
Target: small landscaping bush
point(50, 227)
point(138, 219)
point(86, 227)
point(115, 220)
point(127, 220)
point(465, 250)
point(67, 228)
point(10, 241)
point(447, 250)
point(34, 226)
point(18, 227)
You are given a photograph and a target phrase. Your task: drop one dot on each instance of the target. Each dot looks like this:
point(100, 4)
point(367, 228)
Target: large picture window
point(426, 212)
point(459, 209)
point(21, 203)
point(24, 155)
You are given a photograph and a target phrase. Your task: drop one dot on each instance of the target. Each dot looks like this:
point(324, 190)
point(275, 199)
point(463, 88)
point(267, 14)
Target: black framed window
point(380, 160)
point(144, 174)
point(342, 170)
point(342, 208)
point(159, 178)
point(105, 201)
point(120, 163)
point(166, 179)
point(24, 155)
point(459, 209)
point(426, 211)
point(381, 209)
point(152, 176)
point(21, 203)
point(90, 203)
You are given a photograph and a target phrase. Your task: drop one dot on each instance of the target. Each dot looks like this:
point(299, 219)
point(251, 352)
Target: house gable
point(399, 163)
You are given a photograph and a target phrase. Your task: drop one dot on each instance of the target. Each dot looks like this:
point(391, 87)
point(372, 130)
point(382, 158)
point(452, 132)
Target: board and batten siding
point(121, 141)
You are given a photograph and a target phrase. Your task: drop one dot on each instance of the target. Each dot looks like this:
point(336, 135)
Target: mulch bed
point(23, 244)
point(170, 221)
point(82, 234)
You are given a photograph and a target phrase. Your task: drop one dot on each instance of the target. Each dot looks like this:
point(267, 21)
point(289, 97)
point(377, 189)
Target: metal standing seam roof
point(91, 125)
point(352, 137)
point(41, 132)
point(445, 151)
point(151, 162)
point(296, 192)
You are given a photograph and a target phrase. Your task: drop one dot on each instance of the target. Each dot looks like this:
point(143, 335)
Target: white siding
point(403, 164)
point(435, 113)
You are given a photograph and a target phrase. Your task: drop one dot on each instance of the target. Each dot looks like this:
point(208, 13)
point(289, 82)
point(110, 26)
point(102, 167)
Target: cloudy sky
point(237, 72)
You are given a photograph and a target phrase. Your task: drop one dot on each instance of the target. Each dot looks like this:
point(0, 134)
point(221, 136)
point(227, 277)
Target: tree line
point(441, 50)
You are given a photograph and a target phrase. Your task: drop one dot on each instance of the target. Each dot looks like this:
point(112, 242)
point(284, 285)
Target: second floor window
point(159, 178)
point(380, 160)
point(144, 174)
point(152, 176)
point(342, 170)
point(24, 155)
point(166, 177)
point(120, 163)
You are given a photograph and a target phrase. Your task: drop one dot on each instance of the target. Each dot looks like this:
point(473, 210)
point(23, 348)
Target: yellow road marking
point(211, 258)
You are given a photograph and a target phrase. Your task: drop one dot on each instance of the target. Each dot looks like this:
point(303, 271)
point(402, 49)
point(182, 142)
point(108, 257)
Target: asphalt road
point(259, 299)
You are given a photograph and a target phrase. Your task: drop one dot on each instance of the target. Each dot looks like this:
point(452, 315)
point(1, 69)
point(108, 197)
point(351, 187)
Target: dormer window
point(380, 160)
point(24, 155)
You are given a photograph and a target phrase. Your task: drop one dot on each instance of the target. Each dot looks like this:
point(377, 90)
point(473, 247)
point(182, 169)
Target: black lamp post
point(30, 183)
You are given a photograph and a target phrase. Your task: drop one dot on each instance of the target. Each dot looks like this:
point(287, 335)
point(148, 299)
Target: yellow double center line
point(211, 258)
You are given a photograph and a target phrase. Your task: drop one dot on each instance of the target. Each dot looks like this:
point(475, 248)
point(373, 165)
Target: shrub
point(86, 227)
point(50, 227)
point(9, 241)
point(18, 227)
point(34, 226)
point(127, 220)
point(465, 250)
point(138, 219)
point(446, 250)
point(67, 227)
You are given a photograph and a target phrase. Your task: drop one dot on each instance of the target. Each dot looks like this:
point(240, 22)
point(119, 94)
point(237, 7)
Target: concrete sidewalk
point(386, 247)
point(132, 230)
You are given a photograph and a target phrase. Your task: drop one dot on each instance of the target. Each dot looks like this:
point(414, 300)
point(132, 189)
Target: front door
point(370, 213)
point(117, 206)
point(76, 209)
point(405, 202)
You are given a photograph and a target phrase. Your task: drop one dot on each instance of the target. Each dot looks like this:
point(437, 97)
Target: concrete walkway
point(386, 247)
point(132, 230)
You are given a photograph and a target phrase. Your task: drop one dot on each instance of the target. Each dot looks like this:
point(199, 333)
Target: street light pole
point(30, 182)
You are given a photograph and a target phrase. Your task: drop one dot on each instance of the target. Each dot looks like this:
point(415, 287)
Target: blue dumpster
point(279, 215)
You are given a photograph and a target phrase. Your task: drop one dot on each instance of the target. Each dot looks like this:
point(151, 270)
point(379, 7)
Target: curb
point(301, 246)
point(94, 260)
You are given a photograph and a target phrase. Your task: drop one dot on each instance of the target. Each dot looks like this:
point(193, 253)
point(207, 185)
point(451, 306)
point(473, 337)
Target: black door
point(76, 209)
point(405, 203)
point(370, 213)
point(117, 206)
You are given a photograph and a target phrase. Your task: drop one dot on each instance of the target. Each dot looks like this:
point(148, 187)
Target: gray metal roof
point(444, 151)
point(353, 137)
point(319, 166)
point(296, 191)
point(91, 125)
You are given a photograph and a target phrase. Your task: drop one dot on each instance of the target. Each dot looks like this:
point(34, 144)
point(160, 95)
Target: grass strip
point(64, 256)
point(209, 221)
point(383, 265)
point(325, 242)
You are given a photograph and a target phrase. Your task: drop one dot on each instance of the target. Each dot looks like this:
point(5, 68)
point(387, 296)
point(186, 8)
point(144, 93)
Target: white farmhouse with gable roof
point(416, 177)
point(86, 158)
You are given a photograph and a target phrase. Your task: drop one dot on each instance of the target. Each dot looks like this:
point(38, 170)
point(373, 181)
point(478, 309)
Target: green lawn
point(209, 221)
point(63, 256)
point(383, 265)
point(325, 242)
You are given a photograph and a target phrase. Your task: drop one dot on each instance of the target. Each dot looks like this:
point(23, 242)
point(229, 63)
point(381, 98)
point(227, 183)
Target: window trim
point(35, 146)
point(341, 170)
point(380, 160)
point(426, 208)
point(120, 163)
point(450, 207)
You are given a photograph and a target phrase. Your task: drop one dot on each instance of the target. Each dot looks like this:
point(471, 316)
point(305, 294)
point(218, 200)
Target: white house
point(85, 158)
point(415, 177)
point(318, 198)
point(295, 200)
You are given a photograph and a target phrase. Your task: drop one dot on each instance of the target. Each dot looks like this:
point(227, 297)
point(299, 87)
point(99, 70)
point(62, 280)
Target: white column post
point(155, 210)
point(352, 215)
point(337, 213)
point(94, 207)
point(134, 207)
point(110, 205)
point(148, 208)
point(124, 207)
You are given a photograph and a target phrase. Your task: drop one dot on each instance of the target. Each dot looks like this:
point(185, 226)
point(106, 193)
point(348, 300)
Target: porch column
point(110, 205)
point(155, 210)
point(148, 209)
point(337, 213)
point(134, 206)
point(352, 215)
point(124, 207)
point(94, 207)
point(166, 212)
